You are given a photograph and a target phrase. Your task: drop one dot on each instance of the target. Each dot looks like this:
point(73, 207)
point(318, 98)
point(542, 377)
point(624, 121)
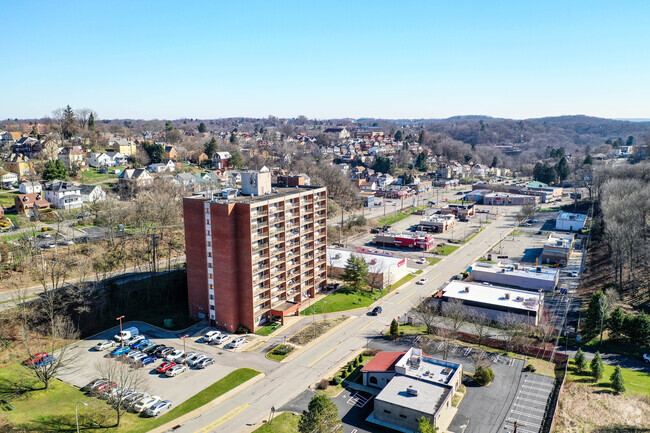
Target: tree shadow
point(67, 422)
point(18, 389)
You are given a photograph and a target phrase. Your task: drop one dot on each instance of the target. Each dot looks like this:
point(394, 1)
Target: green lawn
point(267, 330)
point(7, 198)
point(402, 281)
point(53, 410)
point(433, 261)
point(343, 300)
point(445, 250)
point(21, 221)
point(286, 422)
point(92, 176)
point(419, 271)
point(13, 237)
point(279, 352)
point(636, 382)
point(412, 330)
point(399, 216)
point(613, 346)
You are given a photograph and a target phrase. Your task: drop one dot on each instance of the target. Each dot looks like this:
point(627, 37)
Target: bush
point(531, 368)
point(483, 376)
point(338, 380)
point(323, 384)
point(242, 330)
point(371, 352)
point(350, 367)
point(282, 349)
point(343, 373)
point(360, 358)
point(356, 362)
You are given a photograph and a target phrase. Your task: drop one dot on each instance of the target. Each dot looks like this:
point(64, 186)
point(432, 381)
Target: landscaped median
point(40, 410)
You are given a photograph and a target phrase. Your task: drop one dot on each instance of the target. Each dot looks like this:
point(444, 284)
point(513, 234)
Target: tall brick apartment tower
point(255, 257)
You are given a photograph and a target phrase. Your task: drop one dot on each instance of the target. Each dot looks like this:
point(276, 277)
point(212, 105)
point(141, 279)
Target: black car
point(375, 311)
point(154, 349)
point(164, 351)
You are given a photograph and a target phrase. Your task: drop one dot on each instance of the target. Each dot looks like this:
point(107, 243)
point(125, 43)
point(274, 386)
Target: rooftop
point(383, 361)
point(425, 397)
point(277, 192)
point(493, 295)
point(557, 240)
point(422, 367)
point(377, 263)
point(571, 216)
point(537, 273)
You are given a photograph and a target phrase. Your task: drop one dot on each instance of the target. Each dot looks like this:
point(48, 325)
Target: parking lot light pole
point(184, 351)
point(76, 412)
point(121, 339)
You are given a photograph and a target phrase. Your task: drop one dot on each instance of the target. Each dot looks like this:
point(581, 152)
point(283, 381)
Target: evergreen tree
point(399, 135)
point(394, 328)
point(169, 125)
point(68, 124)
point(616, 324)
point(580, 360)
point(562, 169)
point(426, 426)
point(356, 272)
point(588, 160)
point(618, 384)
point(408, 178)
point(597, 367)
point(54, 169)
point(629, 141)
point(211, 147)
point(321, 416)
point(91, 122)
point(155, 151)
point(233, 138)
point(383, 164)
point(593, 315)
point(422, 137)
point(421, 161)
point(202, 127)
point(495, 162)
point(236, 160)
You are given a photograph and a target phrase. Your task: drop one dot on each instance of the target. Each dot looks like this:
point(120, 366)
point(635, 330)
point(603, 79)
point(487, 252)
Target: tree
point(480, 324)
point(562, 169)
point(629, 141)
point(155, 151)
point(202, 127)
point(321, 416)
point(173, 136)
point(426, 426)
point(394, 328)
point(169, 125)
point(495, 162)
point(54, 169)
point(526, 212)
point(426, 314)
point(483, 375)
point(356, 272)
point(588, 160)
point(211, 147)
point(616, 324)
point(408, 178)
point(580, 360)
point(236, 160)
point(399, 136)
point(595, 313)
point(597, 368)
point(421, 161)
point(543, 172)
point(127, 377)
point(455, 316)
point(383, 164)
point(618, 384)
point(233, 139)
point(91, 121)
point(68, 128)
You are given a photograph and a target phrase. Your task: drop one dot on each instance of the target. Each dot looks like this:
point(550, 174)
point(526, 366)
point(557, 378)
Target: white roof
point(493, 295)
point(428, 399)
point(377, 263)
point(545, 273)
point(571, 216)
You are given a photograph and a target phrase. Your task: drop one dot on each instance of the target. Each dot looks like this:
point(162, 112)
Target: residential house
point(480, 170)
point(366, 185)
point(337, 133)
point(7, 177)
point(119, 159)
point(28, 187)
point(6, 139)
point(162, 167)
point(72, 157)
point(28, 146)
point(171, 152)
point(92, 193)
point(220, 160)
point(122, 145)
point(186, 180)
point(20, 164)
point(63, 195)
point(26, 203)
point(135, 177)
point(197, 157)
point(100, 160)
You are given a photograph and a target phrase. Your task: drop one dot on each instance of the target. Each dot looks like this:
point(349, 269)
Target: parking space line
point(407, 296)
point(527, 415)
point(324, 354)
point(223, 419)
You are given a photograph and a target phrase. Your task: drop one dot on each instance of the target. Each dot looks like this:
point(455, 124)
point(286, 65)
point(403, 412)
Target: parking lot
point(529, 407)
point(177, 389)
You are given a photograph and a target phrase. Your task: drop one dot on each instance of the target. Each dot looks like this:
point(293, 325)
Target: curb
point(318, 339)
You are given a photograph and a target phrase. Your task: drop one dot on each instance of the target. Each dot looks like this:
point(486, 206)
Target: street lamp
point(184, 352)
point(121, 339)
point(76, 412)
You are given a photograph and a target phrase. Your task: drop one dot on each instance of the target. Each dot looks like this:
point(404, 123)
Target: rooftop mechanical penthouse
point(253, 257)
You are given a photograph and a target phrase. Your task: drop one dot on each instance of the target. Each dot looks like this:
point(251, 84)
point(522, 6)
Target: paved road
point(291, 378)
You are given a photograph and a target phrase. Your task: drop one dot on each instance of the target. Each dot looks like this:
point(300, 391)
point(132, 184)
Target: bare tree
point(526, 212)
point(455, 316)
point(127, 378)
point(479, 323)
point(426, 313)
point(513, 331)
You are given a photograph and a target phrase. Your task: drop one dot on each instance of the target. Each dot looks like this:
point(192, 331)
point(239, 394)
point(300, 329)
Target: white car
point(158, 408)
point(188, 357)
point(211, 335)
point(145, 403)
point(133, 339)
point(421, 261)
point(139, 356)
point(573, 274)
point(422, 281)
point(221, 339)
point(237, 342)
point(176, 370)
point(175, 356)
point(646, 357)
point(196, 359)
point(103, 345)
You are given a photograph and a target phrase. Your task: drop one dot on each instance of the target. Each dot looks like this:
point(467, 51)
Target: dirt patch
point(582, 409)
point(314, 330)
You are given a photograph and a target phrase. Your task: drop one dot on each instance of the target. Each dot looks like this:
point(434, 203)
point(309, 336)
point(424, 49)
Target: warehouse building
point(516, 275)
point(570, 222)
point(437, 223)
point(504, 199)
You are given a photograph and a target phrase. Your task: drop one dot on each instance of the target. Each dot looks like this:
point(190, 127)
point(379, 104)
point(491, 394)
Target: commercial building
point(253, 258)
point(506, 199)
point(462, 211)
point(418, 240)
point(570, 222)
point(557, 249)
point(383, 269)
point(497, 303)
point(515, 275)
point(437, 223)
point(413, 385)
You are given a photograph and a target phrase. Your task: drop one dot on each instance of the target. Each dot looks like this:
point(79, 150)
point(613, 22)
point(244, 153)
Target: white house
point(100, 160)
point(162, 167)
point(220, 160)
point(118, 158)
point(30, 188)
point(8, 177)
point(63, 195)
point(92, 193)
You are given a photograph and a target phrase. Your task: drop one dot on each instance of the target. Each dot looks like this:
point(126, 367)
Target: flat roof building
point(557, 249)
point(253, 259)
point(516, 275)
point(383, 269)
point(437, 223)
point(572, 222)
point(506, 199)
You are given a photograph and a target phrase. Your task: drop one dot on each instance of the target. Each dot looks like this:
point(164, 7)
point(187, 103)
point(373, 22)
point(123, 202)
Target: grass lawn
point(286, 422)
point(399, 216)
point(516, 232)
point(636, 382)
point(334, 390)
point(279, 352)
point(93, 176)
point(268, 329)
point(7, 198)
point(343, 300)
point(485, 261)
point(613, 346)
point(13, 237)
point(53, 410)
point(433, 261)
point(400, 282)
point(412, 330)
point(445, 250)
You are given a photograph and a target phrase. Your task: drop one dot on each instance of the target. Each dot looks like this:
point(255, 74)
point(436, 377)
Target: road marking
point(325, 354)
point(407, 296)
point(223, 419)
point(256, 346)
point(366, 325)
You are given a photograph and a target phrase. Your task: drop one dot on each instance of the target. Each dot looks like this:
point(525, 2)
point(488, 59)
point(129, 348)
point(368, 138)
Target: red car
point(162, 368)
point(36, 358)
point(105, 387)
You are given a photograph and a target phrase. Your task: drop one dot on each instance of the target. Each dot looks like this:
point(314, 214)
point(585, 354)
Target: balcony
point(260, 290)
point(257, 257)
point(276, 271)
point(275, 230)
point(258, 213)
point(260, 247)
point(259, 224)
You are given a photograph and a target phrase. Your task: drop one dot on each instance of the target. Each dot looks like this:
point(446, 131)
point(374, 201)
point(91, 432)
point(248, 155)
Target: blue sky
point(392, 59)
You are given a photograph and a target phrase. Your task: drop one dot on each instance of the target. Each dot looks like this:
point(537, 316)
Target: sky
point(325, 59)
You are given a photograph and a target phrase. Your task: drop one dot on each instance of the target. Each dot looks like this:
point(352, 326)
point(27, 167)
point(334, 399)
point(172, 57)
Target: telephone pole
point(516, 424)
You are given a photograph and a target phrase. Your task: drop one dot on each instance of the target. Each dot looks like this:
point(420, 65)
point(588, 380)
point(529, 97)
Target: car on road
point(526, 224)
point(164, 351)
point(148, 360)
point(376, 311)
point(196, 359)
point(646, 357)
point(158, 408)
point(533, 221)
point(66, 242)
point(221, 339)
point(211, 335)
point(421, 261)
point(175, 356)
point(204, 363)
point(103, 345)
point(45, 235)
point(34, 359)
point(176, 370)
point(237, 342)
point(145, 403)
point(422, 281)
point(573, 274)
point(162, 368)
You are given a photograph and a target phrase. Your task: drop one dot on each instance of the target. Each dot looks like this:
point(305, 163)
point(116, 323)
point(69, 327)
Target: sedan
point(237, 342)
point(149, 347)
point(145, 403)
point(133, 398)
point(421, 261)
point(573, 274)
point(134, 339)
point(422, 281)
point(158, 408)
point(140, 344)
point(131, 353)
point(176, 370)
point(204, 363)
point(46, 360)
point(152, 350)
point(33, 360)
point(139, 357)
point(162, 368)
point(104, 387)
point(176, 355)
point(148, 360)
point(196, 359)
point(103, 345)
point(120, 351)
point(164, 351)
point(376, 311)
point(221, 339)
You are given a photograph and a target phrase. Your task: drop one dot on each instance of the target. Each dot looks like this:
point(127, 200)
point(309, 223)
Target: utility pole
point(516, 424)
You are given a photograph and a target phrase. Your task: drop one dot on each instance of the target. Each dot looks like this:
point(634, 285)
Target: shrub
point(350, 367)
point(242, 330)
point(356, 362)
point(360, 358)
point(371, 352)
point(282, 349)
point(483, 376)
point(394, 328)
point(531, 368)
point(338, 380)
point(323, 384)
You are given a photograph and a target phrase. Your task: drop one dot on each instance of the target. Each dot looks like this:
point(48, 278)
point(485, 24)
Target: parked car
point(422, 281)
point(573, 274)
point(162, 368)
point(211, 335)
point(206, 362)
point(164, 351)
point(46, 360)
point(118, 351)
point(176, 370)
point(526, 224)
point(140, 344)
point(145, 403)
point(375, 311)
point(149, 347)
point(139, 357)
point(188, 357)
point(154, 348)
point(126, 333)
point(237, 342)
point(148, 360)
point(158, 408)
point(133, 398)
point(196, 359)
point(134, 339)
point(103, 345)
point(35, 358)
point(131, 353)
point(421, 261)
point(175, 356)
point(104, 387)
point(646, 357)
point(221, 339)
point(94, 384)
